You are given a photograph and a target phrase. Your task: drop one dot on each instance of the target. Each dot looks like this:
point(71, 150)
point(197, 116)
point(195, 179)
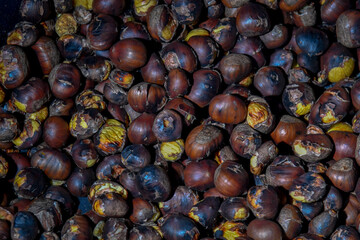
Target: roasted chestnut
point(56, 132)
point(176, 227)
point(298, 99)
point(135, 157)
point(252, 20)
point(162, 23)
point(347, 31)
point(176, 83)
point(200, 175)
point(84, 154)
point(178, 55)
point(25, 226)
point(234, 67)
point(102, 32)
point(343, 174)
point(309, 187)
point(64, 80)
point(262, 229)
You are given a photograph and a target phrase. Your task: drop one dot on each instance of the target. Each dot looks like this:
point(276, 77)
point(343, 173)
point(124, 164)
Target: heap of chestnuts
point(181, 120)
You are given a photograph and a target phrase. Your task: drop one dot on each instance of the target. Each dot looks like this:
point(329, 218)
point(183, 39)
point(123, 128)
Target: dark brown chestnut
point(143, 211)
point(59, 107)
point(282, 58)
point(128, 179)
point(324, 224)
point(110, 204)
point(177, 227)
point(79, 182)
point(283, 171)
point(24, 34)
point(109, 168)
point(55, 164)
point(111, 7)
point(63, 196)
point(64, 80)
point(146, 97)
point(128, 54)
point(270, 81)
point(262, 229)
point(244, 140)
point(135, 157)
point(181, 202)
point(192, 15)
point(35, 11)
point(299, 74)
point(343, 174)
point(84, 154)
point(345, 232)
point(30, 183)
point(9, 127)
point(85, 123)
point(263, 201)
point(206, 50)
point(288, 129)
point(235, 67)
point(48, 212)
point(226, 108)
point(202, 141)
point(153, 183)
point(47, 54)
point(290, 5)
point(231, 179)
point(134, 29)
point(95, 68)
point(306, 16)
point(224, 33)
point(115, 228)
point(234, 209)
point(276, 38)
point(25, 226)
point(263, 157)
point(252, 20)
point(102, 32)
point(56, 132)
point(30, 134)
point(32, 96)
point(140, 129)
point(347, 30)
point(311, 41)
point(178, 55)
point(176, 83)
point(205, 211)
point(334, 199)
point(154, 71)
point(167, 126)
point(251, 46)
point(332, 9)
point(82, 225)
point(309, 187)
point(143, 232)
point(183, 107)
point(344, 140)
point(291, 221)
point(298, 99)
point(200, 175)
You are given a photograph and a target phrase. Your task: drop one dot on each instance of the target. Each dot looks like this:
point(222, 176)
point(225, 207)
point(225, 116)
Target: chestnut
point(251, 46)
point(64, 80)
point(234, 209)
point(183, 107)
point(110, 138)
point(231, 179)
point(143, 232)
point(202, 141)
point(167, 126)
point(114, 93)
point(47, 54)
point(312, 64)
point(306, 16)
point(146, 97)
point(355, 95)
point(79, 181)
point(347, 32)
point(270, 81)
point(308, 236)
point(59, 107)
point(140, 129)
point(102, 32)
point(259, 115)
point(85, 123)
point(134, 29)
point(56, 132)
point(48, 213)
point(288, 129)
point(344, 140)
point(143, 211)
point(110, 205)
point(331, 10)
point(65, 24)
point(111, 7)
point(333, 200)
point(309, 210)
point(90, 99)
point(128, 179)
point(200, 175)
point(299, 74)
point(262, 229)
point(330, 108)
point(311, 41)
point(30, 134)
point(205, 87)
point(24, 34)
point(224, 33)
point(309, 187)
point(30, 183)
point(263, 201)
point(176, 227)
point(82, 225)
point(128, 54)
point(154, 71)
point(226, 108)
point(153, 183)
point(206, 49)
point(343, 174)
point(25, 226)
point(324, 224)
point(276, 38)
point(234, 67)
point(55, 164)
point(109, 168)
point(181, 202)
point(115, 228)
point(191, 16)
point(162, 23)
point(178, 55)
point(262, 157)
point(344, 232)
point(135, 157)
point(35, 11)
point(229, 228)
point(95, 68)
point(205, 211)
point(176, 83)
point(283, 171)
point(84, 154)
point(282, 58)
point(63, 196)
point(291, 221)
point(14, 66)
point(252, 20)
point(9, 127)
point(298, 99)
point(244, 140)
point(101, 187)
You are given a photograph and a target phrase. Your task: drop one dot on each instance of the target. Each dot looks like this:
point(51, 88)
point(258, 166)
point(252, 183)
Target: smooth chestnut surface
point(56, 132)
point(252, 20)
point(64, 80)
point(226, 108)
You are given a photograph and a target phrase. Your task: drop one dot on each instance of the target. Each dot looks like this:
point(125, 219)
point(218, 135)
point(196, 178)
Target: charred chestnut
point(162, 23)
point(176, 227)
point(85, 123)
point(263, 201)
point(309, 187)
point(135, 157)
point(30, 183)
point(84, 154)
point(24, 226)
point(252, 20)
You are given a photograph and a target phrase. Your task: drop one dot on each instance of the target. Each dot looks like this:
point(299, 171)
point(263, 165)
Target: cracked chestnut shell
point(55, 164)
point(30, 183)
point(263, 201)
point(77, 227)
point(135, 157)
point(178, 227)
point(234, 67)
point(298, 98)
point(162, 23)
point(128, 54)
point(234, 209)
point(259, 115)
point(179, 55)
point(48, 212)
point(167, 126)
point(309, 187)
point(85, 123)
point(343, 174)
point(205, 211)
point(199, 175)
point(31, 96)
point(224, 33)
point(291, 221)
point(24, 226)
point(252, 20)
point(192, 13)
point(9, 127)
point(102, 32)
point(231, 179)
point(202, 141)
point(14, 66)
point(153, 183)
point(84, 154)
point(110, 205)
point(244, 140)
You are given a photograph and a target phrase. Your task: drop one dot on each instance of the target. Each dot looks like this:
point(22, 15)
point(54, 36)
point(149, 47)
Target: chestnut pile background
point(181, 119)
